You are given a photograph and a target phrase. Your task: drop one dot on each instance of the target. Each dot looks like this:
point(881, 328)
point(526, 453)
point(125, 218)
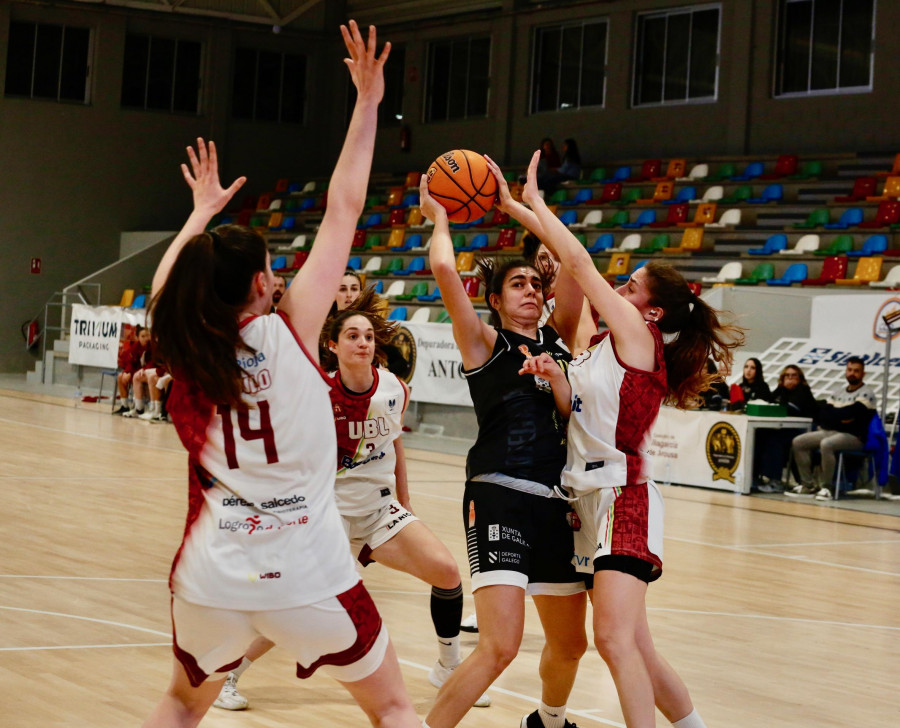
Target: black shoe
point(533, 720)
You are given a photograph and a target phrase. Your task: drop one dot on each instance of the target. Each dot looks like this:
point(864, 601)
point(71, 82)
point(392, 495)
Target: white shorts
point(620, 522)
point(368, 532)
point(343, 635)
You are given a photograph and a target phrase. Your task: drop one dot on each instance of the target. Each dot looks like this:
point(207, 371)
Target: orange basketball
point(462, 182)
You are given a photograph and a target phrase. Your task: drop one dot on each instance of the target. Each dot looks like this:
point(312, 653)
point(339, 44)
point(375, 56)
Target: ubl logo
point(369, 429)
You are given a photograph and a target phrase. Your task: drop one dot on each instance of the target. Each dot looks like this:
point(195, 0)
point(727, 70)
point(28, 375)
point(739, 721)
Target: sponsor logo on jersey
point(723, 451)
point(368, 429)
point(253, 360)
point(233, 501)
point(256, 383)
point(271, 575)
point(279, 502)
point(494, 532)
point(401, 517)
point(385, 492)
point(347, 460)
point(392, 404)
point(252, 524)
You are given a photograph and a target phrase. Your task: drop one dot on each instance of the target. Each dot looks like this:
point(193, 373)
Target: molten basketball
point(462, 182)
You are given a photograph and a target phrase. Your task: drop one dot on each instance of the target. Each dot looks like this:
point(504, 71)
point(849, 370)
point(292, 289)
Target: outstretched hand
point(505, 202)
point(366, 70)
point(531, 195)
point(203, 179)
point(543, 365)
point(431, 208)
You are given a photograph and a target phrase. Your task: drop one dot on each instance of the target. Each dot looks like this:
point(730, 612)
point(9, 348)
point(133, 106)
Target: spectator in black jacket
point(752, 385)
point(772, 446)
point(843, 419)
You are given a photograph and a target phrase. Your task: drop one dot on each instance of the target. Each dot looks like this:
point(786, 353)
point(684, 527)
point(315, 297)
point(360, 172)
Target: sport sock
point(552, 716)
point(446, 614)
point(691, 720)
point(448, 651)
point(239, 670)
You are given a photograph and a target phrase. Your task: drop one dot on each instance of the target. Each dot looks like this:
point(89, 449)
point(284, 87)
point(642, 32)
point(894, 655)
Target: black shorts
point(519, 539)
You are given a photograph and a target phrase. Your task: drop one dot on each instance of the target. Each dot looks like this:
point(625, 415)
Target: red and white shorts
point(366, 533)
point(619, 527)
point(343, 635)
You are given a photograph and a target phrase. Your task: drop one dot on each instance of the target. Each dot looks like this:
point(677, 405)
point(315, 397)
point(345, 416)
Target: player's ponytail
point(195, 329)
point(699, 333)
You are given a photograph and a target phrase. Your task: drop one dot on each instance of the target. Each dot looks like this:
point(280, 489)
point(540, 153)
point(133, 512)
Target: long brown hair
point(370, 305)
point(700, 334)
point(195, 329)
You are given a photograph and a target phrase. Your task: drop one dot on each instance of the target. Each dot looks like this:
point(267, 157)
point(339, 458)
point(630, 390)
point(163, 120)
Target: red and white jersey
point(367, 424)
point(613, 408)
point(263, 530)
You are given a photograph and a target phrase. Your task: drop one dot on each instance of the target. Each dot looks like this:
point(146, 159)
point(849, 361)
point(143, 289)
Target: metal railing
point(57, 317)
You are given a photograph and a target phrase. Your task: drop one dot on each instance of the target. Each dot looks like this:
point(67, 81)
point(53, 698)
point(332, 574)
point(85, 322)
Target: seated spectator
point(280, 288)
point(140, 386)
point(550, 160)
point(772, 447)
point(752, 385)
point(130, 355)
point(717, 393)
point(569, 169)
point(843, 421)
point(348, 292)
point(152, 375)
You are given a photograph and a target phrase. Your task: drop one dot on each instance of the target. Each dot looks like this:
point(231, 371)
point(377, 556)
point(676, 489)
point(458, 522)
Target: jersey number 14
point(264, 432)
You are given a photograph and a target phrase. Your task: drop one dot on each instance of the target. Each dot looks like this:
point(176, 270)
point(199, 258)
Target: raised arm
point(309, 298)
point(572, 315)
point(209, 199)
point(634, 342)
point(506, 203)
point(474, 338)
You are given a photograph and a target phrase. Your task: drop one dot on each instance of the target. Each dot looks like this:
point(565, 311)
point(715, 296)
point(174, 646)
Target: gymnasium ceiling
point(290, 13)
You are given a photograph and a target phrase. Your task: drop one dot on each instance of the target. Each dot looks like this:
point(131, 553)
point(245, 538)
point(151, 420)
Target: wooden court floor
point(780, 615)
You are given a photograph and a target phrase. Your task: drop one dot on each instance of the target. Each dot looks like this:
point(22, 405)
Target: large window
point(269, 86)
point(45, 61)
point(458, 80)
point(161, 74)
point(825, 46)
point(569, 66)
point(677, 56)
point(390, 110)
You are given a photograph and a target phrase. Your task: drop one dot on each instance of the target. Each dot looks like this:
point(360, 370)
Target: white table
point(710, 449)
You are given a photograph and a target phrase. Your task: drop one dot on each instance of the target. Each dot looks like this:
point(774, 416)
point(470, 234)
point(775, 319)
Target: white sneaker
point(469, 624)
point(861, 493)
point(148, 415)
point(823, 494)
point(438, 675)
point(229, 698)
point(133, 413)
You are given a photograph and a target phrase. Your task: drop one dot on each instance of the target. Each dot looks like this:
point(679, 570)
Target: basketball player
point(249, 404)
point(520, 539)
point(371, 487)
point(613, 394)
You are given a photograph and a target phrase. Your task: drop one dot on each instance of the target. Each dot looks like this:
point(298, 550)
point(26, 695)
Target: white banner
point(844, 326)
point(699, 448)
point(435, 363)
point(96, 331)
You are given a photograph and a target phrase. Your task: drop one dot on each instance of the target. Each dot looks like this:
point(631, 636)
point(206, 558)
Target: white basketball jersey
point(613, 408)
point(367, 424)
point(263, 529)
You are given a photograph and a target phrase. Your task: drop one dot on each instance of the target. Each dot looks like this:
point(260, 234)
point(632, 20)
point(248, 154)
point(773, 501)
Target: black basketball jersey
point(520, 431)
